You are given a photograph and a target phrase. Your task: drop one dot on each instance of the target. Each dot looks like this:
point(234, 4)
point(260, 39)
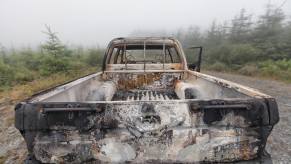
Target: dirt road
point(13, 150)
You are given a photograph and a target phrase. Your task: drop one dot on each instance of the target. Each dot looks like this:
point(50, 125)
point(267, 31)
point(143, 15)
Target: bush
point(218, 54)
point(269, 68)
point(243, 53)
point(249, 70)
point(280, 69)
point(94, 57)
point(6, 74)
point(284, 64)
point(23, 75)
point(217, 66)
point(233, 55)
point(51, 65)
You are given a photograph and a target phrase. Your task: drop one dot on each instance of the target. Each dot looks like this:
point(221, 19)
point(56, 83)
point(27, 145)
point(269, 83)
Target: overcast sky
point(96, 22)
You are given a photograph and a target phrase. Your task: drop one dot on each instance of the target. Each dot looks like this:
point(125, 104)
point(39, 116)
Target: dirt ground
point(13, 149)
point(12, 145)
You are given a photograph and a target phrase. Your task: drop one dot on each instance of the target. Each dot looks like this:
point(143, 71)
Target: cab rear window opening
point(143, 54)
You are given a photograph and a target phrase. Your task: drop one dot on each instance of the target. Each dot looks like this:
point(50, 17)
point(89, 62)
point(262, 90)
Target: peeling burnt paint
point(145, 116)
point(166, 131)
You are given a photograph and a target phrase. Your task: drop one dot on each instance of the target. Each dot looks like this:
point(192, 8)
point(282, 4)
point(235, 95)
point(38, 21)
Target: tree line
point(246, 44)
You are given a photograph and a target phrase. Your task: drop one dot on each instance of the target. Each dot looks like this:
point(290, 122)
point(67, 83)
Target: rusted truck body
point(147, 106)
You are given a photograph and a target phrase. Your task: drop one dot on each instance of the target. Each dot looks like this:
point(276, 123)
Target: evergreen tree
point(241, 27)
point(53, 44)
point(267, 35)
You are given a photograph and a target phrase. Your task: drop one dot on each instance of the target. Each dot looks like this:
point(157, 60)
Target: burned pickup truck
point(147, 105)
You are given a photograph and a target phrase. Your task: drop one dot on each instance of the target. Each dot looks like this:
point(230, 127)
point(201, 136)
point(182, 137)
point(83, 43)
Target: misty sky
point(96, 22)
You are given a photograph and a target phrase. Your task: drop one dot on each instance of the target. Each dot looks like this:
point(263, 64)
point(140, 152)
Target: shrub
point(23, 75)
point(243, 53)
point(217, 66)
point(248, 70)
point(51, 65)
point(284, 64)
point(94, 57)
point(235, 56)
point(280, 69)
point(6, 74)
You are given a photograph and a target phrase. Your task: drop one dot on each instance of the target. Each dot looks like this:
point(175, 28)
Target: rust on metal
point(136, 81)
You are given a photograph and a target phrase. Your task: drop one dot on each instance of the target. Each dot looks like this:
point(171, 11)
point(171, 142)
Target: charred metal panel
point(253, 112)
point(181, 131)
point(273, 110)
point(19, 113)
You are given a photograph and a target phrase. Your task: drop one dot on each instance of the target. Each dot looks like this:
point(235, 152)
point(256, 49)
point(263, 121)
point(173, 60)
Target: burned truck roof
point(142, 40)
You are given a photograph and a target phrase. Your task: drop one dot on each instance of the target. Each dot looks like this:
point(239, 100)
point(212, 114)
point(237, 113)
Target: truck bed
point(150, 86)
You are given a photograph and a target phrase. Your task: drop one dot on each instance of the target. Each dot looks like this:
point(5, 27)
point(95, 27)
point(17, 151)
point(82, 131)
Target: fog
point(92, 23)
